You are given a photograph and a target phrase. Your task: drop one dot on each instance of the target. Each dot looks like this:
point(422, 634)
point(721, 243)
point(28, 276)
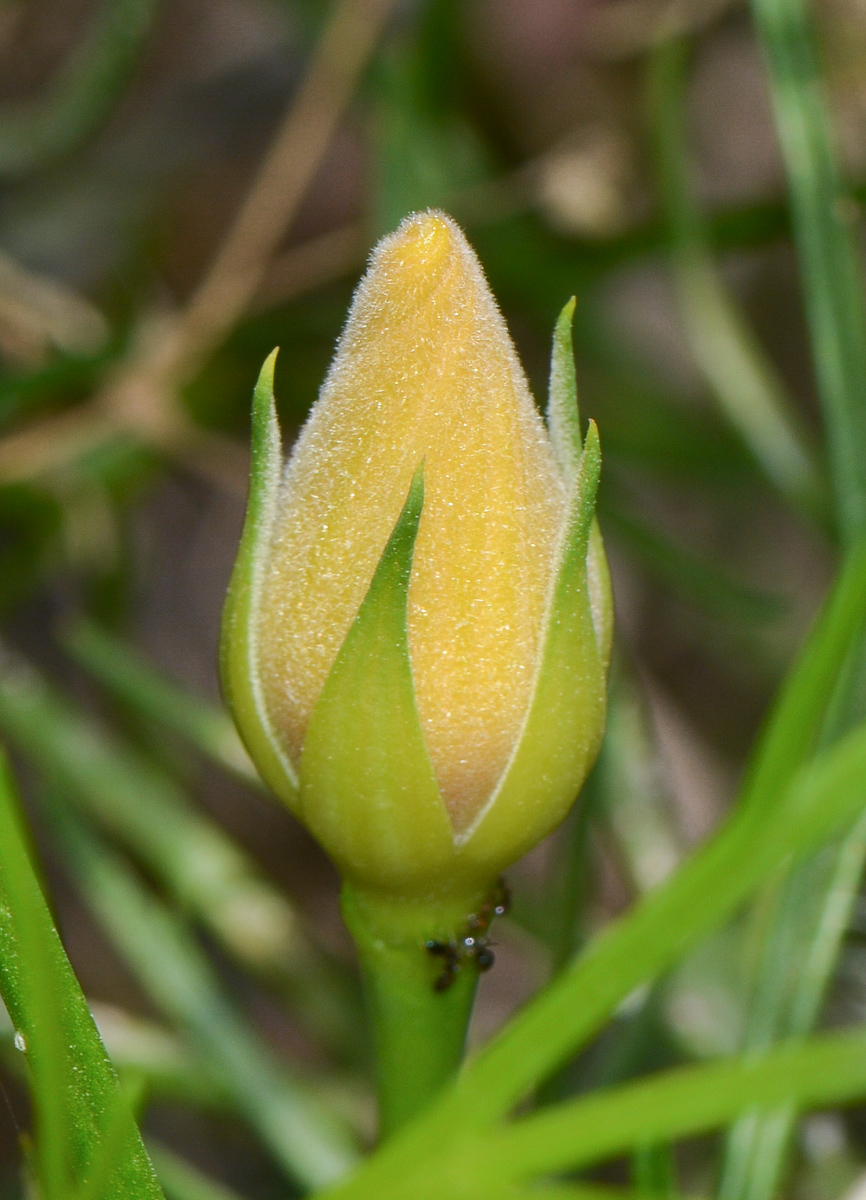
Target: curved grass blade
point(822, 1071)
point(76, 1092)
point(750, 848)
point(826, 245)
point(200, 865)
point(312, 1145)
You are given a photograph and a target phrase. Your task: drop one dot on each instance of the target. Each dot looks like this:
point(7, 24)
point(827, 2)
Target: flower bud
point(417, 631)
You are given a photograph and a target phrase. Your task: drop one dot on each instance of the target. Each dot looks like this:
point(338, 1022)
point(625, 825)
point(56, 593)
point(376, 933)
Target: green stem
point(419, 1001)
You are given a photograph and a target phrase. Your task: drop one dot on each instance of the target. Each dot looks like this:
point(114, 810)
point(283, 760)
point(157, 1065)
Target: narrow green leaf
point(211, 876)
point(826, 244)
point(794, 726)
point(238, 640)
point(661, 927)
point(826, 1070)
point(113, 1146)
point(800, 949)
point(75, 1087)
point(564, 1191)
point(312, 1145)
point(426, 153)
point(654, 1171)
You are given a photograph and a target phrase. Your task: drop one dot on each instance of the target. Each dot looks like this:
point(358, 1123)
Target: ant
point(472, 945)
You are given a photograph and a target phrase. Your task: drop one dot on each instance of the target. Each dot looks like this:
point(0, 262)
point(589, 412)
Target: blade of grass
point(113, 1144)
point(654, 1172)
point(142, 1049)
point(824, 236)
point(661, 926)
point(813, 904)
point(705, 891)
point(75, 1087)
point(795, 723)
point(131, 679)
point(307, 1139)
point(573, 1191)
point(745, 383)
point(812, 911)
point(208, 874)
point(824, 1070)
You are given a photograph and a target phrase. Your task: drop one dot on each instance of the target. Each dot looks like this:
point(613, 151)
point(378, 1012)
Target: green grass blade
point(827, 1070)
point(794, 726)
point(744, 382)
point(202, 867)
point(425, 150)
point(113, 1146)
point(826, 246)
point(654, 1171)
point(131, 679)
point(812, 911)
point(706, 890)
point(565, 1191)
point(312, 1145)
point(75, 1088)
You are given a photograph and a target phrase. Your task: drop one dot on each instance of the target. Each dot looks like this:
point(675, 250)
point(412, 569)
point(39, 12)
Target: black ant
point(472, 945)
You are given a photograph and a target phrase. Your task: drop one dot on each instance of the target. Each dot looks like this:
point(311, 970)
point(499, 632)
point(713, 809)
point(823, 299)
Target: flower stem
point(419, 999)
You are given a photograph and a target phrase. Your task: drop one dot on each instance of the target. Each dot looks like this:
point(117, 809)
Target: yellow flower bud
point(425, 371)
point(401, 778)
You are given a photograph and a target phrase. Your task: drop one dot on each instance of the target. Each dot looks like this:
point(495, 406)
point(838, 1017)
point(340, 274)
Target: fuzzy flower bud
point(391, 645)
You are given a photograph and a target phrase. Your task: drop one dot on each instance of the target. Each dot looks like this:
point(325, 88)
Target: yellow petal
point(425, 369)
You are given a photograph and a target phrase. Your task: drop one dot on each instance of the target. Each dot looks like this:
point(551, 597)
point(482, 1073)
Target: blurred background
point(185, 184)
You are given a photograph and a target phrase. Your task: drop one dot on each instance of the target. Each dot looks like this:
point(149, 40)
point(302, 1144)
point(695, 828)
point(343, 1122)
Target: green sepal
point(563, 423)
point(238, 641)
point(368, 791)
point(563, 415)
point(600, 594)
point(565, 720)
